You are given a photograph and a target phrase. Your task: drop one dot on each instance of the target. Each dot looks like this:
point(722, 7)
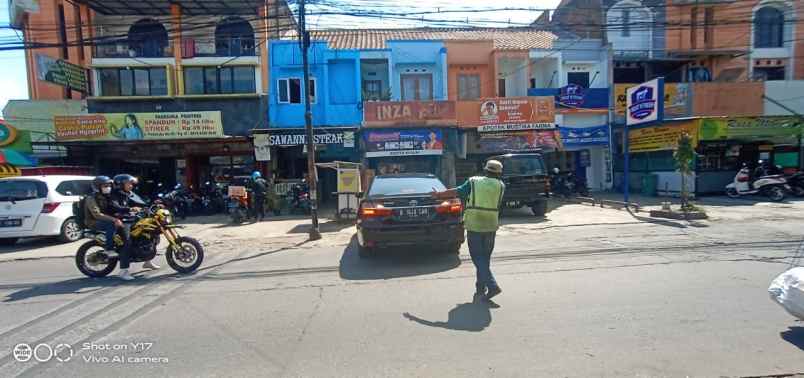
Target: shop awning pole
point(626, 168)
point(315, 233)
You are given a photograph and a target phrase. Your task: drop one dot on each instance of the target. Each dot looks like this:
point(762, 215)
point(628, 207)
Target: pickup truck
point(526, 181)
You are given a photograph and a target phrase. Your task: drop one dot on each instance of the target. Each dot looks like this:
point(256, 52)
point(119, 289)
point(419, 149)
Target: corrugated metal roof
point(367, 39)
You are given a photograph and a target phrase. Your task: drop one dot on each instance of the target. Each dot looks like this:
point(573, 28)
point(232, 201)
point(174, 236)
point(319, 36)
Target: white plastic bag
point(788, 291)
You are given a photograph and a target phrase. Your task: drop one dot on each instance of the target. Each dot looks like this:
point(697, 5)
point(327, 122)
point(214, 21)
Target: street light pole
point(312, 177)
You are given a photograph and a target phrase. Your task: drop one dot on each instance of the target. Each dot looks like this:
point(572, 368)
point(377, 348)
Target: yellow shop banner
point(659, 138)
point(138, 126)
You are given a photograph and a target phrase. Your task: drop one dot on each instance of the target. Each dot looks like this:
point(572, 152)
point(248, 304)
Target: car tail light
point(371, 210)
point(49, 207)
point(453, 207)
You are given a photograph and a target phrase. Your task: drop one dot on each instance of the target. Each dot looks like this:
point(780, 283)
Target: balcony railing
point(190, 48)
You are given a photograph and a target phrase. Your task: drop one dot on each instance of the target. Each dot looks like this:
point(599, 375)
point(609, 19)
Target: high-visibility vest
point(483, 206)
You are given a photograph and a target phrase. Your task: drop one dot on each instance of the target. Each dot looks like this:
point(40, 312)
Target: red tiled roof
point(366, 39)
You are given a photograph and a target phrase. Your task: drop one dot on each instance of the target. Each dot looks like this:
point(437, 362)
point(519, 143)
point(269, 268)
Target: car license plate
point(11, 223)
point(414, 213)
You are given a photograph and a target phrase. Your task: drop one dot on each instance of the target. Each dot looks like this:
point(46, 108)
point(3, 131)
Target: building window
point(223, 80)
point(417, 87)
point(133, 82)
point(769, 73)
point(147, 38)
point(234, 36)
point(709, 27)
point(626, 22)
point(289, 91)
point(372, 90)
point(500, 87)
point(468, 87)
point(694, 27)
point(578, 78)
point(769, 28)
point(311, 87)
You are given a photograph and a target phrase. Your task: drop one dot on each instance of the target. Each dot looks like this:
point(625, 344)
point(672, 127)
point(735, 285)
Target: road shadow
point(325, 227)
point(473, 316)
point(32, 243)
point(795, 336)
point(395, 262)
point(72, 286)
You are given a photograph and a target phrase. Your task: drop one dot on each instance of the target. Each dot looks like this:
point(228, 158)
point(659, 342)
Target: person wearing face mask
point(96, 210)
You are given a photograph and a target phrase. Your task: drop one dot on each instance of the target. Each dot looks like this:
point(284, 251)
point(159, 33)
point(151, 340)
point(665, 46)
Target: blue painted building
point(336, 104)
point(418, 70)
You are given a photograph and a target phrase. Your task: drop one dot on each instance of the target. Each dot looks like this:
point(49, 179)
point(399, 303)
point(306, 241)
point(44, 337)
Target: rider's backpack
point(78, 211)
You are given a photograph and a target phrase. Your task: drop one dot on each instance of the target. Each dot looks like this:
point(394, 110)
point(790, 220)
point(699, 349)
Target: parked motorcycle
point(568, 184)
point(184, 254)
point(177, 200)
point(238, 208)
point(796, 182)
point(774, 187)
point(299, 199)
point(212, 199)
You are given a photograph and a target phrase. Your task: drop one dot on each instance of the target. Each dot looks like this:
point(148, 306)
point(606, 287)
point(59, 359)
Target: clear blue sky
point(14, 84)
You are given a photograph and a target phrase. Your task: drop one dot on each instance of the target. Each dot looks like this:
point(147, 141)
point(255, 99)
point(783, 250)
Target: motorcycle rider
point(259, 188)
point(97, 208)
point(125, 202)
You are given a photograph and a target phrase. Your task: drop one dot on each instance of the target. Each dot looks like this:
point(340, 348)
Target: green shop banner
point(750, 128)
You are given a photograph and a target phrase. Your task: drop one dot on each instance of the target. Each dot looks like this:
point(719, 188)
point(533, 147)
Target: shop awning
point(8, 170)
point(9, 156)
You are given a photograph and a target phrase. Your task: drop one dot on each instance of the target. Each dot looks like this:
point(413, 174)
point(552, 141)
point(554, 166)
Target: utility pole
point(312, 177)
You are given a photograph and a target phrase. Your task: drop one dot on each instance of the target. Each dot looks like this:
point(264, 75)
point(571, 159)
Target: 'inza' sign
point(409, 113)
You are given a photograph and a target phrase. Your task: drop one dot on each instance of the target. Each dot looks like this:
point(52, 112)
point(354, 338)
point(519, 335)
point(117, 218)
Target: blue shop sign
point(585, 136)
point(575, 96)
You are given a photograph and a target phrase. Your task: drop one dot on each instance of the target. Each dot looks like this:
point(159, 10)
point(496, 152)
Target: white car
point(32, 206)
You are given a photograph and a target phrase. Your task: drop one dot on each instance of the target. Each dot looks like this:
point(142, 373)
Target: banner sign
point(660, 138)
point(676, 99)
point(507, 114)
point(8, 134)
point(404, 142)
point(645, 103)
point(750, 128)
point(571, 95)
point(138, 126)
point(584, 136)
point(409, 113)
point(344, 138)
point(529, 140)
point(262, 147)
point(59, 72)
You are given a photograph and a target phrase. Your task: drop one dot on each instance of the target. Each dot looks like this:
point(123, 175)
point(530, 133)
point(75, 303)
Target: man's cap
point(494, 166)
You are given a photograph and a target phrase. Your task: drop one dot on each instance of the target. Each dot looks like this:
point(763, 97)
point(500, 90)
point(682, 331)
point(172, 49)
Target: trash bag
point(788, 291)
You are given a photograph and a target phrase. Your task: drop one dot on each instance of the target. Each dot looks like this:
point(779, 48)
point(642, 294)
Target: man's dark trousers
point(481, 244)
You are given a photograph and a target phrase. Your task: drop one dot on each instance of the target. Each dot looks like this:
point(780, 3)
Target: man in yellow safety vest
point(482, 196)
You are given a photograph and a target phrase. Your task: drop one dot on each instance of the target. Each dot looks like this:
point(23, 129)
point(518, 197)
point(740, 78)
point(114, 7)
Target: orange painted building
point(59, 23)
point(470, 69)
point(737, 40)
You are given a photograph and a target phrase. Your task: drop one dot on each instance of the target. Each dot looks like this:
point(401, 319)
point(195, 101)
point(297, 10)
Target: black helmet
point(123, 178)
point(99, 181)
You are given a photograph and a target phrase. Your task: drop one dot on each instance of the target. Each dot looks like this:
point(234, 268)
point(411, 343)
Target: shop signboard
point(584, 136)
point(660, 138)
point(750, 128)
point(527, 140)
point(321, 137)
point(262, 147)
point(571, 95)
point(574, 96)
point(644, 103)
point(409, 113)
point(676, 99)
point(508, 114)
point(348, 180)
point(8, 134)
point(60, 72)
point(403, 142)
point(138, 126)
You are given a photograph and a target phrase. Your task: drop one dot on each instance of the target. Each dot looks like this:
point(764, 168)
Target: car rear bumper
point(46, 225)
point(425, 234)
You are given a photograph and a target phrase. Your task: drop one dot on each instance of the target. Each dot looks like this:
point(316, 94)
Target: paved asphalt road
point(587, 292)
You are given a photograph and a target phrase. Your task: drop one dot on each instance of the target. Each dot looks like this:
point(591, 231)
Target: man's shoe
point(150, 265)
point(125, 275)
point(493, 292)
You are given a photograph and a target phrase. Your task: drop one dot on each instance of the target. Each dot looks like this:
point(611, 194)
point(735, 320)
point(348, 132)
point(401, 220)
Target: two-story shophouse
point(175, 87)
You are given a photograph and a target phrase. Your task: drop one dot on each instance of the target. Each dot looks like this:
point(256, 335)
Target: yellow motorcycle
point(183, 254)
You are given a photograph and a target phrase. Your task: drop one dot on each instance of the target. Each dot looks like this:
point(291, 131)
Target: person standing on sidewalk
point(260, 188)
point(482, 196)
